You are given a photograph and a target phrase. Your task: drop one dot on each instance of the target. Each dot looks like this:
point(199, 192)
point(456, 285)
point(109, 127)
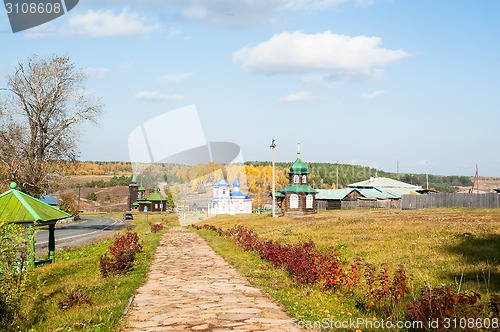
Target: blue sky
point(365, 82)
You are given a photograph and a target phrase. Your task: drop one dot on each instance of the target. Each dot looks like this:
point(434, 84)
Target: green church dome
point(299, 167)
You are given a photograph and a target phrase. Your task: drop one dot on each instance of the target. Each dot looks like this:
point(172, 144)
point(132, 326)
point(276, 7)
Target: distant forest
point(324, 175)
point(258, 175)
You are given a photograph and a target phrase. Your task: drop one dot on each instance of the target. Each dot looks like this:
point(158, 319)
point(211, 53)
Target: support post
point(31, 247)
point(52, 243)
point(273, 146)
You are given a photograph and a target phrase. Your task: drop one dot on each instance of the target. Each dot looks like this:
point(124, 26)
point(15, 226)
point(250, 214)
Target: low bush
point(122, 255)
point(76, 297)
point(438, 304)
point(156, 227)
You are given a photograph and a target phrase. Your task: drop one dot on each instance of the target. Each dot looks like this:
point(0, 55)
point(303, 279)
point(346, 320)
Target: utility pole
point(475, 182)
point(337, 179)
point(427, 174)
point(79, 187)
point(273, 146)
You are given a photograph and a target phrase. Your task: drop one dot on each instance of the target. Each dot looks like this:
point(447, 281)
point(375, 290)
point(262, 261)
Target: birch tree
point(41, 110)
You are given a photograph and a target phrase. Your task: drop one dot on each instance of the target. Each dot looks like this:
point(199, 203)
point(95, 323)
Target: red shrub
point(245, 238)
point(332, 272)
point(303, 262)
point(122, 253)
point(156, 227)
point(439, 303)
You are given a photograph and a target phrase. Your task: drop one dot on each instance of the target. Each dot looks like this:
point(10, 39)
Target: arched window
point(304, 179)
point(295, 179)
point(294, 201)
point(309, 201)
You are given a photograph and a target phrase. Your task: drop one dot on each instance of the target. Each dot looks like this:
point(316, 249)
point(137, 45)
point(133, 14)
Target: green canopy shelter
point(20, 208)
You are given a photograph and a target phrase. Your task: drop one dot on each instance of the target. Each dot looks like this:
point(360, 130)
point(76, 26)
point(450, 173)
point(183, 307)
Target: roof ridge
point(28, 207)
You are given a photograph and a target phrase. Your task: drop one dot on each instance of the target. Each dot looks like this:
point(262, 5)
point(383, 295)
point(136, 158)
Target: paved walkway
point(191, 288)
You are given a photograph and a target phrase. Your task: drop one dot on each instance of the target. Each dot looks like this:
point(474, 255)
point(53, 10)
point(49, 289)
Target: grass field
point(457, 247)
point(438, 247)
point(78, 269)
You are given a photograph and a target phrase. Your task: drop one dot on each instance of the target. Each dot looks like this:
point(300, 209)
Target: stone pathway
point(191, 288)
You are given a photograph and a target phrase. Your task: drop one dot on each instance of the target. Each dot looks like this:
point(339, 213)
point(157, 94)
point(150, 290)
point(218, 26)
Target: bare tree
point(39, 119)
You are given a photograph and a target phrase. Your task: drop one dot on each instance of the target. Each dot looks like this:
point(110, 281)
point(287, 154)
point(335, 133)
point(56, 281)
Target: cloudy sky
point(368, 82)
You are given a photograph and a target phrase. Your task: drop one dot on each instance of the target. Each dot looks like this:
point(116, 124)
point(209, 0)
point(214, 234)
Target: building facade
point(137, 199)
point(133, 193)
point(227, 201)
point(298, 198)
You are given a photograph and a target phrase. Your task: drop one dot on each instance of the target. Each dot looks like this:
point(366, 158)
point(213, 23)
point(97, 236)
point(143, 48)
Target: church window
point(304, 179)
point(294, 201)
point(309, 201)
point(295, 179)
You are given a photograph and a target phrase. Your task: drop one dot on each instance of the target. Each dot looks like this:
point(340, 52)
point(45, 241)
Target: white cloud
point(372, 95)
point(175, 78)
point(345, 57)
point(126, 65)
point(310, 4)
point(105, 23)
point(97, 72)
point(297, 97)
point(156, 96)
point(320, 80)
point(244, 13)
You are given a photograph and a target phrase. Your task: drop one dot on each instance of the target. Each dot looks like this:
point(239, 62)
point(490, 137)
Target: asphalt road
point(80, 232)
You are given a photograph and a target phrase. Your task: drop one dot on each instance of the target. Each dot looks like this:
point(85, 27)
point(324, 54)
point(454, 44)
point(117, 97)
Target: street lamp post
point(273, 146)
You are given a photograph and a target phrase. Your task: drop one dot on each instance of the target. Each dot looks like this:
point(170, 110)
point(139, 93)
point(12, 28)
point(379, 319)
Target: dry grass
point(437, 246)
point(457, 247)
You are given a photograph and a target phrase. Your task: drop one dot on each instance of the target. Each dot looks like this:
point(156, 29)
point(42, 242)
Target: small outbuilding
point(298, 198)
point(31, 213)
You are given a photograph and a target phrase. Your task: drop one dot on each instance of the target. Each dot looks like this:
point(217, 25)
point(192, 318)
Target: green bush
point(12, 274)
point(91, 196)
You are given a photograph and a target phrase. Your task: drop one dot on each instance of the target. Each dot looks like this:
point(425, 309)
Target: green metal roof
point(382, 182)
point(155, 197)
point(277, 194)
point(333, 194)
point(299, 167)
point(18, 207)
point(141, 188)
point(365, 193)
point(298, 188)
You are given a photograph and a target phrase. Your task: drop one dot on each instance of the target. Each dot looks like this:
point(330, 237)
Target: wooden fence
point(357, 204)
point(367, 204)
point(484, 201)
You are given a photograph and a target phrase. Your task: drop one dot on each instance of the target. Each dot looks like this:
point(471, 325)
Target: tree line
point(258, 175)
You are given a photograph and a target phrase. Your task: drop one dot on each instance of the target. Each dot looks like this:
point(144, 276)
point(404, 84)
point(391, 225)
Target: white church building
point(227, 201)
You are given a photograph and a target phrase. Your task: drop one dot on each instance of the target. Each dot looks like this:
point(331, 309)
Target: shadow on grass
point(485, 251)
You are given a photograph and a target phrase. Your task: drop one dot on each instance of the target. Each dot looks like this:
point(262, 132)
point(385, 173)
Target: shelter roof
point(18, 207)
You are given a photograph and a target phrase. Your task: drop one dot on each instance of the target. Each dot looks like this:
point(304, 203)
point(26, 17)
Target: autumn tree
point(41, 109)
